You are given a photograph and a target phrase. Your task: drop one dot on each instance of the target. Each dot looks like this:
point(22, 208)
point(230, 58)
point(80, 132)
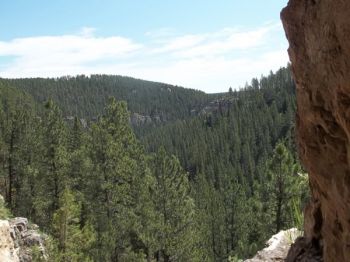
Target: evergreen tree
point(79, 162)
point(230, 193)
point(74, 242)
point(52, 177)
point(210, 219)
point(177, 237)
point(117, 170)
point(17, 136)
point(282, 174)
point(236, 216)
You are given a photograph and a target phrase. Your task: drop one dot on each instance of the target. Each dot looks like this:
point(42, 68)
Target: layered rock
point(318, 32)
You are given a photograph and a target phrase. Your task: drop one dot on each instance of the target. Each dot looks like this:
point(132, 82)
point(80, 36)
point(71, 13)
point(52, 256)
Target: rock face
point(138, 119)
point(217, 106)
point(17, 240)
point(318, 32)
point(8, 252)
point(277, 246)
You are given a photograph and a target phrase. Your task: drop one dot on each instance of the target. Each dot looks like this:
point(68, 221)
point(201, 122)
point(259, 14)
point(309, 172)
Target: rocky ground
point(277, 246)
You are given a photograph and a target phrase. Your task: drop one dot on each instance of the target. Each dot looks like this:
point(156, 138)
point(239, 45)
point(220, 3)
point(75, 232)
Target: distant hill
point(234, 133)
point(86, 97)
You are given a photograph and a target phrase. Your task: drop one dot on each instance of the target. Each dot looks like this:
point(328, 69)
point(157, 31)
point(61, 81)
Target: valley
point(192, 179)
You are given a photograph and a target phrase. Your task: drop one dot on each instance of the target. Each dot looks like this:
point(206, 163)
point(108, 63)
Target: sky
point(208, 45)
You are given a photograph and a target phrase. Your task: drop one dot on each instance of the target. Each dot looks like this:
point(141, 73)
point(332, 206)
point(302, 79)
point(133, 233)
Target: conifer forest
point(114, 168)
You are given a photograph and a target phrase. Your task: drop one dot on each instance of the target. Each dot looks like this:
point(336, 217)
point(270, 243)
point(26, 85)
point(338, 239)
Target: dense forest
point(86, 97)
point(210, 182)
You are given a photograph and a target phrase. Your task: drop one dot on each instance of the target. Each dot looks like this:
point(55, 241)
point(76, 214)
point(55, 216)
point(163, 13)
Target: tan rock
point(16, 241)
point(277, 246)
point(318, 32)
point(8, 252)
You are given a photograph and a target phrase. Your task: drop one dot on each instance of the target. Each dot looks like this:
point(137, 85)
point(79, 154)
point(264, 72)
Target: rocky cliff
point(20, 241)
point(17, 240)
point(318, 32)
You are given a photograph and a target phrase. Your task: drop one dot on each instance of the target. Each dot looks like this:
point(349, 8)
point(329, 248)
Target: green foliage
point(234, 259)
point(35, 252)
point(226, 151)
point(4, 212)
point(85, 97)
point(300, 198)
point(74, 242)
point(52, 172)
point(16, 115)
point(282, 174)
point(117, 173)
point(175, 209)
point(219, 188)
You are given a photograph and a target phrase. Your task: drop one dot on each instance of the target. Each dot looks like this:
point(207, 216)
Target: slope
point(85, 97)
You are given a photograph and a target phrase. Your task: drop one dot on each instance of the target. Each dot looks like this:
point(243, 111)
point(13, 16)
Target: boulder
point(277, 246)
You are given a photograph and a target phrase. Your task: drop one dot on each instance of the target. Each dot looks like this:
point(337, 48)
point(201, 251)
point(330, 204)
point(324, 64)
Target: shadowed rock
point(318, 32)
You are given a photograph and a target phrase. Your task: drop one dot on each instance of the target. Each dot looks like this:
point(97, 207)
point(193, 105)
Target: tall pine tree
point(177, 236)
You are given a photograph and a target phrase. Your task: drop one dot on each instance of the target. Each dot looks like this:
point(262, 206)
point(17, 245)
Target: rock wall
point(318, 32)
point(17, 238)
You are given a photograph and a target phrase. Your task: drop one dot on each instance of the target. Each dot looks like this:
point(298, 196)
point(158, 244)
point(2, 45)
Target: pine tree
point(16, 139)
point(208, 218)
point(118, 170)
point(282, 178)
point(231, 207)
point(73, 241)
point(236, 217)
point(52, 177)
point(177, 237)
point(79, 162)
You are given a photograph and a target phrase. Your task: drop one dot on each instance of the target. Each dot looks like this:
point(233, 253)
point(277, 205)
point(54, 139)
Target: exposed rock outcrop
point(8, 252)
point(139, 120)
point(318, 32)
point(217, 106)
point(277, 246)
point(17, 239)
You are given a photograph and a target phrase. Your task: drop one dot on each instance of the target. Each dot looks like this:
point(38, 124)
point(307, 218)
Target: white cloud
point(87, 31)
point(210, 61)
point(221, 42)
point(55, 55)
point(180, 43)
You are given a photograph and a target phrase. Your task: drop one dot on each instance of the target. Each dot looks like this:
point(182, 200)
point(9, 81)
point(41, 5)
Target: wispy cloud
point(211, 61)
point(221, 42)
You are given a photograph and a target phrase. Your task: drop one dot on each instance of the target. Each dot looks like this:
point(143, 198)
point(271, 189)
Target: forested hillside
point(85, 97)
point(242, 131)
point(227, 154)
point(210, 187)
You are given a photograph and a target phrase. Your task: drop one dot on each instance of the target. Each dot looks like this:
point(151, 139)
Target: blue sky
point(202, 44)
